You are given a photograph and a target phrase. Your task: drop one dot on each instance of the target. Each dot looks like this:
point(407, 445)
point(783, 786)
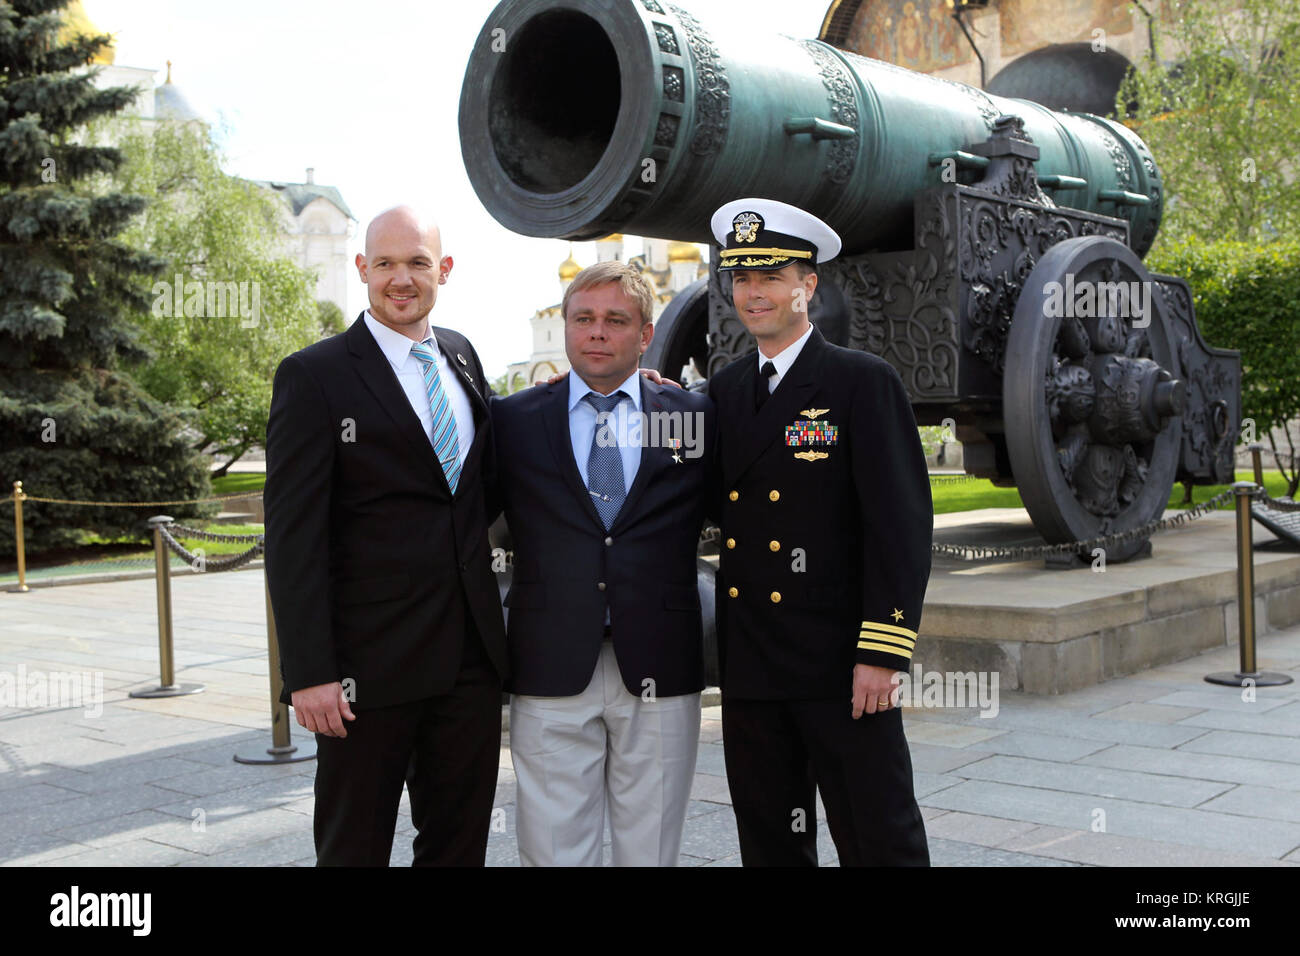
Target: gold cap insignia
point(746, 226)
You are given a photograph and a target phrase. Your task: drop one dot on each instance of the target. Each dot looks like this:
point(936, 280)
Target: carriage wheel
point(1090, 399)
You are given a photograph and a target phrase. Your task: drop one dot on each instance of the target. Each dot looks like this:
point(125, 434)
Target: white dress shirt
point(783, 359)
point(582, 425)
point(410, 375)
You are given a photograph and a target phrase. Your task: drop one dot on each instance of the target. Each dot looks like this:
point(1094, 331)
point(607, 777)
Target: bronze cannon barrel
point(579, 118)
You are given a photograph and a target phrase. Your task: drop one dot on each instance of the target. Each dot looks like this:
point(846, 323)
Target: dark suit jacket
point(374, 568)
point(566, 565)
point(826, 524)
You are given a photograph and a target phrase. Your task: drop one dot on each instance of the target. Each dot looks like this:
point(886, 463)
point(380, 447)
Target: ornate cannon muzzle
point(579, 118)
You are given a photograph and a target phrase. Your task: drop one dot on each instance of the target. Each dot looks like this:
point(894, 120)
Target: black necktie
point(764, 379)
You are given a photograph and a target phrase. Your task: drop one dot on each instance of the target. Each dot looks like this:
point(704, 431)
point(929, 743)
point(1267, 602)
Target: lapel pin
point(461, 359)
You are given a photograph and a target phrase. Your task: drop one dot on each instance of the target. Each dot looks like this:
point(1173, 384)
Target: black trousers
point(445, 749)
point(780, 752)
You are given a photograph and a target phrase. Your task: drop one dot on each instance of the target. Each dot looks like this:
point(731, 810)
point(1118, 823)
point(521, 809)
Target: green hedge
point(1247, 297)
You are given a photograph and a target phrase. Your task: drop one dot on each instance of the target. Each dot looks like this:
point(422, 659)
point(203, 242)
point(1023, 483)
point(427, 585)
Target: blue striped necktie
point(446, 440)
point(605, 461)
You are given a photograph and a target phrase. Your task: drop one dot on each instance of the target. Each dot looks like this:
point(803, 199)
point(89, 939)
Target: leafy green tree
point(332, 321)
point(1219, 105)
point(73, 424)
point(1218, 102)
point(230, 304)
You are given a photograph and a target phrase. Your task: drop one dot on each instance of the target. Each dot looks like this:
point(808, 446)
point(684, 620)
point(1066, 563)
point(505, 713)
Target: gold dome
point(612, 237)
point(569, 267)
point(77, 23)
point(683, 252)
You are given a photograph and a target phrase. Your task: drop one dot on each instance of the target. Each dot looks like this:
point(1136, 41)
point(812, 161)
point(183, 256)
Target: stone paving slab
point(133, 853)
point(1213, 699)
point(1236, 744)
point(1183, 763)
point(1025, 743)
point(1108, 849)
point(1263, 802)
point(953, 853)
point(282, 850)
point(1150, 713)
point(1284, 721)
point(1218, 831)
point(976, 828)
point(1125, 784)
point(1186, 773)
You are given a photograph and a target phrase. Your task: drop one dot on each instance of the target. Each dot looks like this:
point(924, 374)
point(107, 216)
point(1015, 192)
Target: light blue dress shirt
point(582, 425)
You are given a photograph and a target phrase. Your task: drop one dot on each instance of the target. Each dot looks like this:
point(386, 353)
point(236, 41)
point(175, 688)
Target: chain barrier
point(969, 552)
point(207, 564)
point(141, 504)
point(959, 552)
point(1277, 504)
point(191, 532)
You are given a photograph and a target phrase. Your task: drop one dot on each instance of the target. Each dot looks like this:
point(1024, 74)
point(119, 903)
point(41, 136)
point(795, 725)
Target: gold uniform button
point(731, 542)
point(774, 495)
point(734, 495)
point(776, 597)
point(774, 545)
point(732, 592)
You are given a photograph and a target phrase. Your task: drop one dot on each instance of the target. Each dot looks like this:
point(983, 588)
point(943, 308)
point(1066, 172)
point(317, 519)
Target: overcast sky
point(368, 94)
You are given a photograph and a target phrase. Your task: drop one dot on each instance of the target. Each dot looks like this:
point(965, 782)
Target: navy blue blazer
point(567, 566)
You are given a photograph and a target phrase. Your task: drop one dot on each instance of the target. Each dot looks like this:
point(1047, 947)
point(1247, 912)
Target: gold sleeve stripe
point(887, 648)
point(902, 642)
point(888, 629)
point(878, 635)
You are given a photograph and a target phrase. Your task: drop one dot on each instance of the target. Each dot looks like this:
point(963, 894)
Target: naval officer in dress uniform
point(826, 522)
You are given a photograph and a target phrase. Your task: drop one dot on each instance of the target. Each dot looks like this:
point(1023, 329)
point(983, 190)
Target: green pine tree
point(72, 424)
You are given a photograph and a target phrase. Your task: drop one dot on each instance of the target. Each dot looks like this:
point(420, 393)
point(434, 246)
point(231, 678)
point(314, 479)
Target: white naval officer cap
point(766, 234)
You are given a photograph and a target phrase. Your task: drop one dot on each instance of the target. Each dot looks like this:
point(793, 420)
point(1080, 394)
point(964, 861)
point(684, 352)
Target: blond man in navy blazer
point(604, 625)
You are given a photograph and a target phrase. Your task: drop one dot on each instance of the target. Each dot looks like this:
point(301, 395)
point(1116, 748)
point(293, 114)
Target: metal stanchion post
point(167, 686)
point(1247, 676)
point(282, 749)
point(18, 535)
point(1257, 462)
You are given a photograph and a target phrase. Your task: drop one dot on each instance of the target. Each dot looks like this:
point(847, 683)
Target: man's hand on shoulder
point(875, 689)
point(322, 709)
point(649, 373)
